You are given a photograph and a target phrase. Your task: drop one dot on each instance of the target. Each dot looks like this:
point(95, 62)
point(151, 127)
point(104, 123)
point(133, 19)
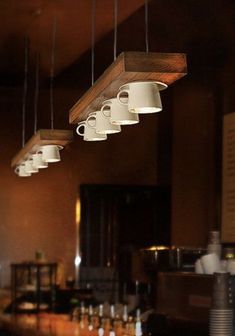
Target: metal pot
point(156, 258)
point(165, 258)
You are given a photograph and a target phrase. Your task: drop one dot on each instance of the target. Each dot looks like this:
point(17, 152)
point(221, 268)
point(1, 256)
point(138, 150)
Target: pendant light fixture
point(132, 74)
point(44, 145)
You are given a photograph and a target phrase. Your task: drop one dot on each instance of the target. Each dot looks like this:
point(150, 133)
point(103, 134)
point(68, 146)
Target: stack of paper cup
point(214, 244)
point(221, 322)
point(221, 313)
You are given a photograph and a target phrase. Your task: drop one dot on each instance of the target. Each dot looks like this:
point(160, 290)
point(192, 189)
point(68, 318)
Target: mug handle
point(17, 170)
point(119, 98)
point(88, 120)
point(39, 151)
point(103, 111)
point(78, 129)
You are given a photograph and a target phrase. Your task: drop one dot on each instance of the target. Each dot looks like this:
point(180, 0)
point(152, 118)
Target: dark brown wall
point(39, 212)
point(194, 176)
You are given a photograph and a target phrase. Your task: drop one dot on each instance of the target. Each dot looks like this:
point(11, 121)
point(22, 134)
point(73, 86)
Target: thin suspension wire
point(146, 26)
point(36, 92)
point(115, 30)
point(26, 55)
point(93, 41)
point(52, 72)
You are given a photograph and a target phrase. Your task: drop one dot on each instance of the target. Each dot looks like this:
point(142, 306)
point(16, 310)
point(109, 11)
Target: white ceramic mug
point(223, 264)
point(102, 123)
point(210, 263)
point(29, 168)
point(143, 97)
point(89, 133)
point(231, 266)
point(20, 171)
point(198, 267)
point(50, 153)
point(118, 113)
point(38, 162)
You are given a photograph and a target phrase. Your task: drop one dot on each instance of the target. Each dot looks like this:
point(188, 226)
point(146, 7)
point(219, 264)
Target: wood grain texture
point(129, 67)
point(184, 295)
point(228, 179)
point(40, 138)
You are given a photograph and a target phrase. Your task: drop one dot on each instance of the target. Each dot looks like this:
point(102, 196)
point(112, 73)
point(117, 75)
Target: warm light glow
point(158, 248)
point(77, 261)
point(124, 122)
point(143, 110)
point(78, 212)
point(108, 131)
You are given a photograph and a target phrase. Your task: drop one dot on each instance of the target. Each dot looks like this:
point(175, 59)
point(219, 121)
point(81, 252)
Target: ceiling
point(73, 37)
point(203, 29)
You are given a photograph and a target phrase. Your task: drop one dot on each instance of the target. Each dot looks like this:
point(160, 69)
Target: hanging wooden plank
point(40, 138)
point(128, 67)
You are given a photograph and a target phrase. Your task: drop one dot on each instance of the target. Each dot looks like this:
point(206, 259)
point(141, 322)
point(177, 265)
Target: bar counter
point(41, 325)
point(45, 324)
point(60, 325)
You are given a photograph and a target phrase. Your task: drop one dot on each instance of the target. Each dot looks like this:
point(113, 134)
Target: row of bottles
point(93, 320)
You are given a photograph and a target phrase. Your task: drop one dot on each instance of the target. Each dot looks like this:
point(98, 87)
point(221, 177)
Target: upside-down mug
point(102, 125)
point(141, 97)
point(29, 168)
point(38, 161)
point(50, 153)
point(20, 171)
point(89, 133)
point(118, 113)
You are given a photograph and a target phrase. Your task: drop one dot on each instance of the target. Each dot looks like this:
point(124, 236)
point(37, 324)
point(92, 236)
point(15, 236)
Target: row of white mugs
point(132, 99)
point(45, 154)
point(210, 263)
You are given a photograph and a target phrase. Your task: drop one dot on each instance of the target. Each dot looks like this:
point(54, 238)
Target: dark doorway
point(117, 219)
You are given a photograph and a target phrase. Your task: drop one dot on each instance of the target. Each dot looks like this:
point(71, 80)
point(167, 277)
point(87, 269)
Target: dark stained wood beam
point(40, 138)
point(128, 67)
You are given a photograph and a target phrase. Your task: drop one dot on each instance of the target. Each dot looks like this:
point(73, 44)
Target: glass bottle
point(124, 320)
point(100, 324)
point(111, 321)
point(138, 325)
point(83, 317)
point(130, 327)
point(90, 318)
point(100, 316)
